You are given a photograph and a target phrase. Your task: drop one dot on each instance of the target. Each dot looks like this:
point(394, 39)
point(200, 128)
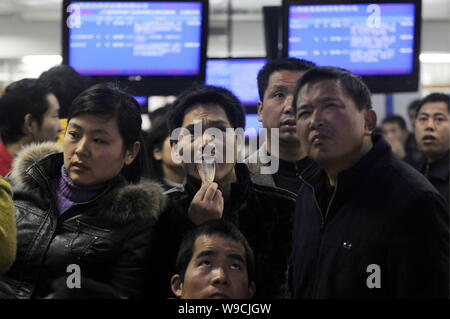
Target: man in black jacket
point(262, 213)
point(367, 225)
point(432, 131)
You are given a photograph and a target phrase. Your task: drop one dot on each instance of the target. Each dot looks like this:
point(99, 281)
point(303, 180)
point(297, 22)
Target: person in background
point(412, 111)
point(66, 84)
point(433, 137)
point(276, 83)
point(88, 205)
point(160, 112)
point(367, 225)
point(215, 261)
point(28, 114)
point(7, 227)
point(162, 167)
point(396, 134)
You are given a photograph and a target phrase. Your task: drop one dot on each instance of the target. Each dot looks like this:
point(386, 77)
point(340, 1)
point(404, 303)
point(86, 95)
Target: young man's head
point(214, 261)
point(432, 129)
point(66, 84)
point(28, 113)
point(276, 84)
point(214, 110)
point(394, 128)
point(334, 117)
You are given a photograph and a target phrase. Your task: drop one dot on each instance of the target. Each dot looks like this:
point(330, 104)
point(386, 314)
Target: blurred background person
point(412, 110)
point(162, 167)
point(66, 84)
point(29, 113)
point(433, 137)
point(395, 131)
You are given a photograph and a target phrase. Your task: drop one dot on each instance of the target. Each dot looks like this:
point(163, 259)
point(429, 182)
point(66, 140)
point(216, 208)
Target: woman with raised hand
point(85, 212)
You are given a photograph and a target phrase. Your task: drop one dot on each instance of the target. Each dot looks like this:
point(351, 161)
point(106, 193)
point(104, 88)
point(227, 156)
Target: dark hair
point(159, 131)
point(285, 64)
point(27, 96)
point(159, 112)
point(394, 118)
point(434, 97)
point(204, 95)
point(220, 228)
point(109, 101)
point(354, 86)
point(414, 105)
point(66, 84)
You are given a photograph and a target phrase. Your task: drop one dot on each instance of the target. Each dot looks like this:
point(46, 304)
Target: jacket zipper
point(322, 226)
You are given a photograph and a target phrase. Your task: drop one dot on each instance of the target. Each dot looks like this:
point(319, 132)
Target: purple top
point(68, 194)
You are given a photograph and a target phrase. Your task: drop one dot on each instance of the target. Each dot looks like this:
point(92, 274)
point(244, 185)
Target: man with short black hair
point(28, 113)
point(221, 189)
point(433, 137)
point(66, 84)
point(367, 225)
point(278, 161)
point(214, 261)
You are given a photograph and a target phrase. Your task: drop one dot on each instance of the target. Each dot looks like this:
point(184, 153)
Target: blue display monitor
point(239, 75)
point(378, 40)
point(137, 41)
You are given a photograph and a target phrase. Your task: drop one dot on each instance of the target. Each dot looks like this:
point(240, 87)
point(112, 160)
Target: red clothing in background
point(5, 160)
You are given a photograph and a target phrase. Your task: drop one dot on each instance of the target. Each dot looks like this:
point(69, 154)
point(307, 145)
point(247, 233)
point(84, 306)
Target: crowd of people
point(352, 210)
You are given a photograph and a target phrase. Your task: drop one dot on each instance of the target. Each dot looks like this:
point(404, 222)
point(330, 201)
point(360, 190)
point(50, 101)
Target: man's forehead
point(284, 77)
point(434, 107)
point(391, 125)
point(205, 113)
point(218, 244)
point(322, 89)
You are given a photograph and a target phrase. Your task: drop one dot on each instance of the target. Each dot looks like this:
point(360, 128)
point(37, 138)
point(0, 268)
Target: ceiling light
point(42, 59)
point(434, 57)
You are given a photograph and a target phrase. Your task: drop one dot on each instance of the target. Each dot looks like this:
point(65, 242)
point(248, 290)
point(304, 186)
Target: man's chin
point(289, 139)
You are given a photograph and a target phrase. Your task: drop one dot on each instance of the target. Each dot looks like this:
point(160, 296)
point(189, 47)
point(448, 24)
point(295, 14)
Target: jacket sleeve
point(419, 250)
point(8, 239)
point(128, 273)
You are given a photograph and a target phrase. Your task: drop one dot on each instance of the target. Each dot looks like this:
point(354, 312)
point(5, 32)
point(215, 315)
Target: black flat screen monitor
point(379, 40)
point(156, 47)
point(239, 75)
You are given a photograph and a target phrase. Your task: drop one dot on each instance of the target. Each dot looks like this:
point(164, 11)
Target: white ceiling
point(50, 10)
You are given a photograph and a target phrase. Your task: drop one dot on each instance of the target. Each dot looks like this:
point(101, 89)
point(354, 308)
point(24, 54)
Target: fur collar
point(130, 201)
point(28, 156)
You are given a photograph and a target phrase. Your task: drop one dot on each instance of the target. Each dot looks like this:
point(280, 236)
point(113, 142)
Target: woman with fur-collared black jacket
point(86, 206)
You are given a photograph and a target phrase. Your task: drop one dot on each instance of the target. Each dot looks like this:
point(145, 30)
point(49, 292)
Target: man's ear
point(251, 290)
point(132, 152)
point(29, 124)
point(176, 285)
point(259, 107)
point(175, 152)
point(370, 122)
point(157, 153)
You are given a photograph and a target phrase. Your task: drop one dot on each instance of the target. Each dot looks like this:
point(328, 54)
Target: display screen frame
point(146, 85)
point(377, 83)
